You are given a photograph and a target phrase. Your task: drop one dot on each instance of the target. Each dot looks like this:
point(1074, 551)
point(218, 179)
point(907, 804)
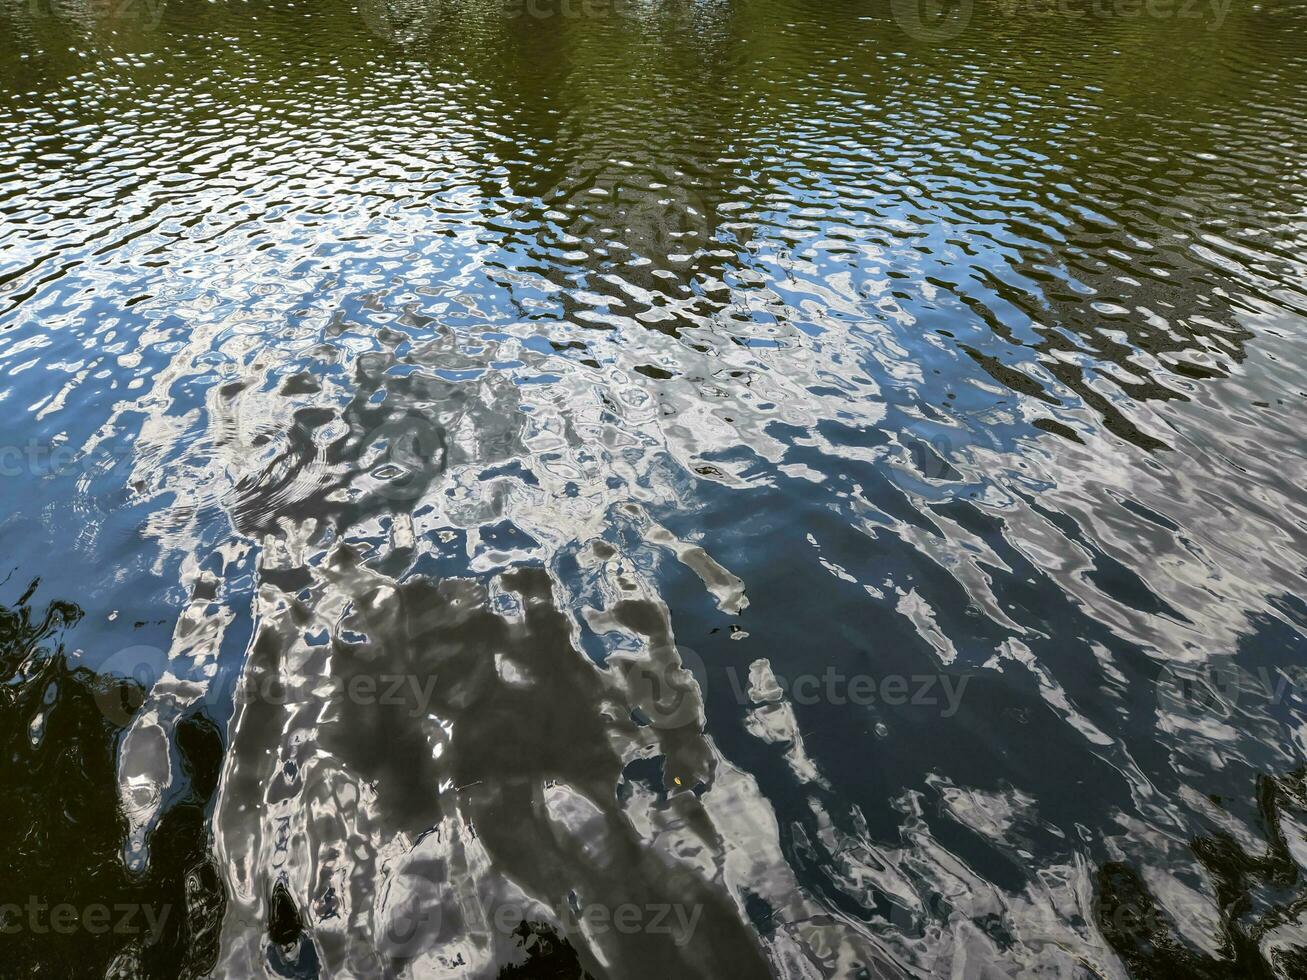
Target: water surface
point(654, 488)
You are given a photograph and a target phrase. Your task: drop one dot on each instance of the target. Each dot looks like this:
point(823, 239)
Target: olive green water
point(636, 488)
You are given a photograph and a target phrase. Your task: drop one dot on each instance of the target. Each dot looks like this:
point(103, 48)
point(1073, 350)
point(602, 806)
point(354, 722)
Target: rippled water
point(653, 488)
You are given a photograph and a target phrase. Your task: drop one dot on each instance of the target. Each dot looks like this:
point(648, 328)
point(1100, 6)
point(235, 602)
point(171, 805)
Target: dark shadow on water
point(1255, 895)
point(61, 839)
